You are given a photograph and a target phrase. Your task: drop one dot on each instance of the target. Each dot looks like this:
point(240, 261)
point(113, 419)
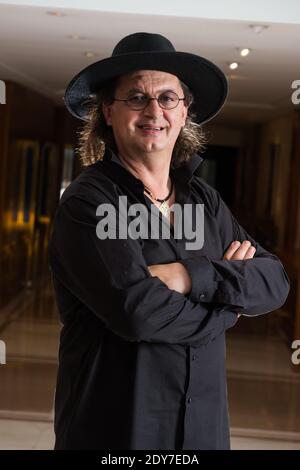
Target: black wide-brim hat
point(146, 51)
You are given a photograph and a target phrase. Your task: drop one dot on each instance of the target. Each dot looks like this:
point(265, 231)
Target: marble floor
point(263, 386)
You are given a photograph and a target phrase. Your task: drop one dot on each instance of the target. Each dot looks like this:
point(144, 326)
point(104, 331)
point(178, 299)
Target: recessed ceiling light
point(244, 52)
point(233, 65)
point(55, 13)
point(258, 28)
point(89, 54)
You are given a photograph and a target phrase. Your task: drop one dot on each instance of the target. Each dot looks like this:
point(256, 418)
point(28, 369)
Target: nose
point(153, 109)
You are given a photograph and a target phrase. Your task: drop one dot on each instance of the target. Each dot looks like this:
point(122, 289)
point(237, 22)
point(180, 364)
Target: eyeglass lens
point(166, 100)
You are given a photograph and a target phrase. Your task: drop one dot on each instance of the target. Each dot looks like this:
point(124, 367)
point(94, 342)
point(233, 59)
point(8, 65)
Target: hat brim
point(205, 80)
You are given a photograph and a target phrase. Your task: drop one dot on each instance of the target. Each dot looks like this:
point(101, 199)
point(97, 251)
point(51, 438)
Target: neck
point(152, 170)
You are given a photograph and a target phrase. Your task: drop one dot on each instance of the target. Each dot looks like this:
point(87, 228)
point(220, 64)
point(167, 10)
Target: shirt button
point(189, 400)
point(194, 357)
point(202, 296)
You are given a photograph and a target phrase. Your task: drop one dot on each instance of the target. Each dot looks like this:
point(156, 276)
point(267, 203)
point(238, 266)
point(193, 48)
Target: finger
point(242, 250)
point(231, 250)
point(151, 269)
point(250, 253)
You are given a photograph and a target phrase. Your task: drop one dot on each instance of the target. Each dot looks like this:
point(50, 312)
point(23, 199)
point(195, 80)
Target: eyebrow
point(139, 90)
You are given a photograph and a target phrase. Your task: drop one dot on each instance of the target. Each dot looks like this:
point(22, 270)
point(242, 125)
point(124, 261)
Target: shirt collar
point(116, 158)
point(184, 173)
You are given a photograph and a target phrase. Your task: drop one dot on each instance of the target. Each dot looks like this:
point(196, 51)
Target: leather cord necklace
point(164, 206)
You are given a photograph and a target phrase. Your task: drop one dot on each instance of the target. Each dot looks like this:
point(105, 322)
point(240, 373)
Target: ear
point(107, 114)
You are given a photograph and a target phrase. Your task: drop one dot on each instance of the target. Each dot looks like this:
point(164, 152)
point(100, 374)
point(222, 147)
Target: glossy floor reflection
point(263, 387)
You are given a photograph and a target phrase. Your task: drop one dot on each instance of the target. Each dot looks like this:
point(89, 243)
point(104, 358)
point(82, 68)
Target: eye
point(168, 97)
point(137, 99)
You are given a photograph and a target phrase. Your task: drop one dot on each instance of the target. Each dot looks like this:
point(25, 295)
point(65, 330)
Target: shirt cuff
point(230, 318)
point(204, 278)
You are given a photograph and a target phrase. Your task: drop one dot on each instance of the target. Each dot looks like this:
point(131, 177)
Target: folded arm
point(248, 279)
point(110, 277)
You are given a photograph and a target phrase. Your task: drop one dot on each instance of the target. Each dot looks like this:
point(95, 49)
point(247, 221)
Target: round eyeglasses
point(139, 101)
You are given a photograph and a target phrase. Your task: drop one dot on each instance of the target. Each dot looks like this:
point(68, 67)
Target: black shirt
point(142, 366)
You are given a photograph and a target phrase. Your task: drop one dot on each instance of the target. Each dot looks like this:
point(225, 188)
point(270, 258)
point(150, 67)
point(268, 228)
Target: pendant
point(165, 209)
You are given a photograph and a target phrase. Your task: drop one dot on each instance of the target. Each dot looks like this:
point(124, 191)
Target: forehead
point(153, 78)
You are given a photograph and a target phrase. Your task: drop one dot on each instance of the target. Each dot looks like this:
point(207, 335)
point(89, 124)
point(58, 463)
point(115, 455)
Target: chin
point(154, 146)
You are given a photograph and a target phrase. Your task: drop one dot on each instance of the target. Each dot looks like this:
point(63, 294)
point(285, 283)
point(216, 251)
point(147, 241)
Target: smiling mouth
point(151, 128)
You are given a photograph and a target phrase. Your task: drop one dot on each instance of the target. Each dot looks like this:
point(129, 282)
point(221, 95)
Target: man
point(142, 350)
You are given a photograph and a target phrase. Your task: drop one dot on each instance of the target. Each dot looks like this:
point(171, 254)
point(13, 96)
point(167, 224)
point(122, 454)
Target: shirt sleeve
point(251, 287)
point(110, 277)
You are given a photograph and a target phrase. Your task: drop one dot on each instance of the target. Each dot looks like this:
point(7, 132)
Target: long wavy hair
point(96, 134)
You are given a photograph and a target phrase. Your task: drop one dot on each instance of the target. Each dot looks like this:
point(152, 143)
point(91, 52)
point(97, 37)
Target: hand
point(239, 251)
point(174, 275)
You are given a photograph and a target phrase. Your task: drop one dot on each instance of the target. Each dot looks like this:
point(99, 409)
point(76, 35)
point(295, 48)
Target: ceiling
point(36, 49)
